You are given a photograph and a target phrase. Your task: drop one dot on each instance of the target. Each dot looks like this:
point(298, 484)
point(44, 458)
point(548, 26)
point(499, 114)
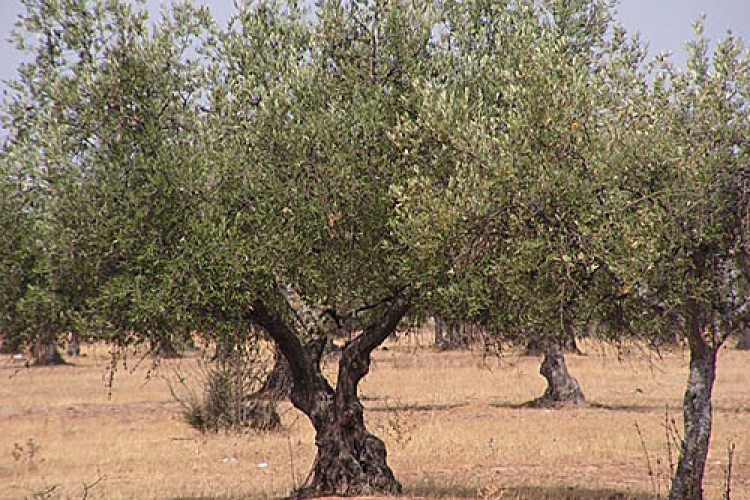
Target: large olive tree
point(303, 200)
point(193, 174)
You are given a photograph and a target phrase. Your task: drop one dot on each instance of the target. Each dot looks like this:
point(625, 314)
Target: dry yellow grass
point(448, 419)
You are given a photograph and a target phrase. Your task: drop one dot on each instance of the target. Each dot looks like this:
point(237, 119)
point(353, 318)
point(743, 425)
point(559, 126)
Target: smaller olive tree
point(688, 200)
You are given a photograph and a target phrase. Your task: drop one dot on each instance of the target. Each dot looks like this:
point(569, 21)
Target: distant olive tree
point(507, 150)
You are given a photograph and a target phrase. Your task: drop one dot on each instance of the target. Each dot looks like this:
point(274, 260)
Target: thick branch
point(303, 312)
point(644, 295)
point(289, 343)
point(738, 312)
point(355, 360)
point(376, 333)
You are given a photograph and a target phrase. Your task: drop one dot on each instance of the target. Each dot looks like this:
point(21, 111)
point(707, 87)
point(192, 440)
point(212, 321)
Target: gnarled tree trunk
point(350, 460)
point(687, 483)
point(562, 388)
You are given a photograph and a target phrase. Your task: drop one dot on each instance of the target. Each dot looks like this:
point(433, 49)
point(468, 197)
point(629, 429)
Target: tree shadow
point(398, 406)
point(534, 404)
point(433, 489)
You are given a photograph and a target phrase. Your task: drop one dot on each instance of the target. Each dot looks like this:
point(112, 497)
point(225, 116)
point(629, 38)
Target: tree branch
point(376, 333)
point(644, 295)
point(303, 370)
point(302, 312)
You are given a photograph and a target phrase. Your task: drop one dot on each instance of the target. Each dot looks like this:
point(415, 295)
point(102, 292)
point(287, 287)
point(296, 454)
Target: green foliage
point(683, 184)
point(103, 124)
point(508, 162)
point(506, 155)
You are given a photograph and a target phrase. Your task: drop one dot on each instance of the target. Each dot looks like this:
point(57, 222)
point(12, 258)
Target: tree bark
point(562, 388)
point(46, 353)
point(278, 383)
point(350, 461)
point(439, 332)
point(74, 345)
point(744, 341)
point(687, 483)
point(261, 411)
point(570, 344)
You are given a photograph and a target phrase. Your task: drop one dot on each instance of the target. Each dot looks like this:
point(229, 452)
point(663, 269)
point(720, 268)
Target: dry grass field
point(451, 420)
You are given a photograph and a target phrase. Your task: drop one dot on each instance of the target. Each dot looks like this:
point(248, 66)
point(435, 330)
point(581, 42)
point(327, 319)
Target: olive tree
point(105, 118)
point(506, 151)
point(193, 174)
point(304, 174)
point(21, 258)
point(679, 244)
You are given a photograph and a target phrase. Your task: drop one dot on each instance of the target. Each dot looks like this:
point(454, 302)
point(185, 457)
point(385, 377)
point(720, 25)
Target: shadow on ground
point(630, 408)
point(432, 490)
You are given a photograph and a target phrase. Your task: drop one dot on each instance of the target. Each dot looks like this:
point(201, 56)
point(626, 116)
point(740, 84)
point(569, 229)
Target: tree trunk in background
point(570, 345)
point(439, 332)
point(534, 347)
point(450, 334)
point(74, 345)
point(45, 353)
point(687, 483)
point(278, 384)
point(744, 341)
point(562, 388)
point(164, 347)
point(261, 412)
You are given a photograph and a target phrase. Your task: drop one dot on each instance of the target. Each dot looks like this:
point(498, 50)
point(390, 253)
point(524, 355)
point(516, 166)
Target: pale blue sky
point(665, 24)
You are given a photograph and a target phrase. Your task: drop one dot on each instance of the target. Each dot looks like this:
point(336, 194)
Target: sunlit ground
point(451, 422)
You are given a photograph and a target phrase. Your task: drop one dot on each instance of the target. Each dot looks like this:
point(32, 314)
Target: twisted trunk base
point(350, 461)
point(562, 388)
